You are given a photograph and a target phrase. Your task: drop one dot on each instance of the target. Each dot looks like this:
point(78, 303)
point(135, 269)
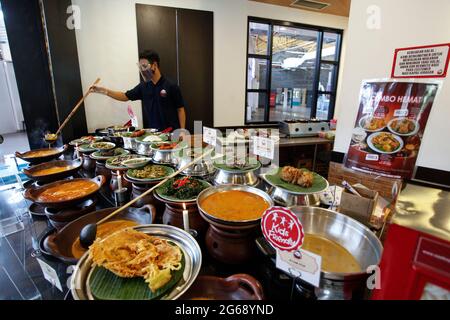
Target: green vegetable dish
point(150, 172)
point(186, 188)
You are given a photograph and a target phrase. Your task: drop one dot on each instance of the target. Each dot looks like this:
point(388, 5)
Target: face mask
point(146, 73)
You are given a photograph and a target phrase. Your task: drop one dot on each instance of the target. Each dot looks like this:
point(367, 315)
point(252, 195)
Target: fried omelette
point(129, 253)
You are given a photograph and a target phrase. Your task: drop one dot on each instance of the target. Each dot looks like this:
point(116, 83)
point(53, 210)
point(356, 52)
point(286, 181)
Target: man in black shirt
point(162, 102)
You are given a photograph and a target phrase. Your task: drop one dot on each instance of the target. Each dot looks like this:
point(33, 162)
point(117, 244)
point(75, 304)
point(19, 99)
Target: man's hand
point(100, 90)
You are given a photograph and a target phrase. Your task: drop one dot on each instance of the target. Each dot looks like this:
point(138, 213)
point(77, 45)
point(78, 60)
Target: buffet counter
point(23, 278)
point(194, 214)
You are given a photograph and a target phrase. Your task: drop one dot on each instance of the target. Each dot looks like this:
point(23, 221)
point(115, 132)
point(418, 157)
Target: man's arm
point(117, 95)
point(182, 117)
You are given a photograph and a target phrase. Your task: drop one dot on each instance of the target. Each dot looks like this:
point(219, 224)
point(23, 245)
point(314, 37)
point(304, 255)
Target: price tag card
point(264, 147)
point(300, 264)
point(50, 274)
point(210, 136)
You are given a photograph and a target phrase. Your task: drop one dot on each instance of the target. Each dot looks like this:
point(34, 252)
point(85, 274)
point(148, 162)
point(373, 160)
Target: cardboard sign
point(210, 136)
point(282, 228)
point(264, 147)
point(421, 62)
point(50, 274)
point(300, 264)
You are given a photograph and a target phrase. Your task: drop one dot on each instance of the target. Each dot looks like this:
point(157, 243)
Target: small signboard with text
point(421, 62)
point(284, 231)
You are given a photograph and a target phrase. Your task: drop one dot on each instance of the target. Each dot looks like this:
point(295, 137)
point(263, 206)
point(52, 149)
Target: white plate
point(416, 129)
point(363, 120)
point(373, 135)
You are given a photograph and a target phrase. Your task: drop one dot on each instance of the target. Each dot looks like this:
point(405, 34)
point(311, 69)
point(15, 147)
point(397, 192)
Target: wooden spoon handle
point(155, 186)
point(76, 107)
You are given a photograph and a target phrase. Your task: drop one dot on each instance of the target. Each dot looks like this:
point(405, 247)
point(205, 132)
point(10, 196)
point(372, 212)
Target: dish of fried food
point(103, 230)
point(372, 124)
point(385, 142)
point(129, 253)
point(403, 126)
point(302, 177)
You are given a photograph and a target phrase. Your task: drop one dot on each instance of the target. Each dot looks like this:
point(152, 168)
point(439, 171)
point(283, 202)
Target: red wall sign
point(421, 62)
point(282, 228)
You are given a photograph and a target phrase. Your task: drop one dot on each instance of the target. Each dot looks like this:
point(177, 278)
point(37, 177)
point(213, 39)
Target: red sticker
point(282, 228)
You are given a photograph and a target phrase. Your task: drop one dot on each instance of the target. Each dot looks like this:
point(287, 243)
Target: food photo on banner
point(390, 125)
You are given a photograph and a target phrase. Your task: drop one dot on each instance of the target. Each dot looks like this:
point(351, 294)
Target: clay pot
point(100, 169)
point(59, 218)
point(173, 215)
point(231, 246)
point(88, 163)
point(236, 287)
point(137, 189)
point(113, 185)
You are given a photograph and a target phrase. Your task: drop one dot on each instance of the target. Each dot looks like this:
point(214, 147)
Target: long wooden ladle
point(89, 232)
point(52, 137)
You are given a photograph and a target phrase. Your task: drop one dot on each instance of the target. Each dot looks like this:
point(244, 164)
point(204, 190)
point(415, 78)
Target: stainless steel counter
point(306, 141)
point(425, 209)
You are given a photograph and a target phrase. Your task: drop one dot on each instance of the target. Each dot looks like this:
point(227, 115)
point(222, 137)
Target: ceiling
point(336, 7)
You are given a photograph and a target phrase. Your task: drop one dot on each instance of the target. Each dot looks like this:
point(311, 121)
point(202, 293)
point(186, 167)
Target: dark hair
point(150, 55)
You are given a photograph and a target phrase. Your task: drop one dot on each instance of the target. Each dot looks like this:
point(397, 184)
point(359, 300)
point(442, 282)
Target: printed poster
point(388, 132)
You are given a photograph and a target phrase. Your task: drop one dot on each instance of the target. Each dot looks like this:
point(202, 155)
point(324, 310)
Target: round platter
point(86, 148)
point(97, 154)
point(191, 250)
point(320, 184)
point(160, 191)
point(224, 167)
point(395, 137)
point(81, 141)
point(111, 166)
point(169, 171)
point(162, 137)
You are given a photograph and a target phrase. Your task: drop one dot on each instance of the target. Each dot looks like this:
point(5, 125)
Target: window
point(291, 71)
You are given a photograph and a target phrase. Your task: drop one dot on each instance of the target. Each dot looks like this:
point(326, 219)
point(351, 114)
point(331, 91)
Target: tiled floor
point(14, 142)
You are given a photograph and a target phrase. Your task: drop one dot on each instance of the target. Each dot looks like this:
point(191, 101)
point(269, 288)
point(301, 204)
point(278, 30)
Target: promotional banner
point(391, 119)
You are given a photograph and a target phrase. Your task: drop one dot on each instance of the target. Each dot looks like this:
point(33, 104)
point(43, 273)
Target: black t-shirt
point(160, 103)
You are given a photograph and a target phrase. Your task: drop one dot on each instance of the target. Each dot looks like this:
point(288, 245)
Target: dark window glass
point(256, 106)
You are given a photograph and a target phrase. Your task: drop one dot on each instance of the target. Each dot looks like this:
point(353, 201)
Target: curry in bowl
point(68, 191)
point(234, 205)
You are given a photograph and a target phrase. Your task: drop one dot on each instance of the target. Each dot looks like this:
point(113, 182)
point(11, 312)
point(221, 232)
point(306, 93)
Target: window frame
point(319, 61)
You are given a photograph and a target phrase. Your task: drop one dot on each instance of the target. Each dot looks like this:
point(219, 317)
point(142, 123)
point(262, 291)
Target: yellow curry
point(335, 258)
point(52, 170)
point(103, 230)
point(68, 191)
point(235, 205)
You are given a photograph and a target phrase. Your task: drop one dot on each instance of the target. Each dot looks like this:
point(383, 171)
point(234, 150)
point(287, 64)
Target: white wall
point(369, 54)
point(107, 47)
